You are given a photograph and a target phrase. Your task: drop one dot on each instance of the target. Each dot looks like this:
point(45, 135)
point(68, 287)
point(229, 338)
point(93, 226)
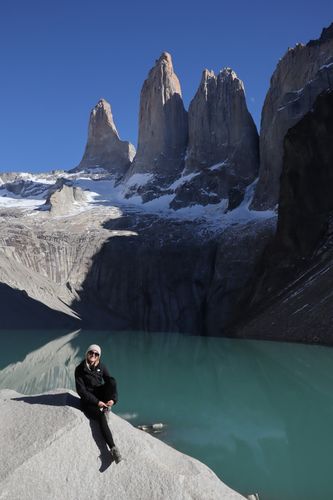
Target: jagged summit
point(104, 148)
point(230, 73)
point(165, 56)
point(326, 34)
point(102, 111)
point(223, 143)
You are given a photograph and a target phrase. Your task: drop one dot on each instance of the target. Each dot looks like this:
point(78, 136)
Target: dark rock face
point(238, 250)
point(104, 148)
point(156, 278)
point(290, 296)
point(172, 276)
point(163, 129)
point(25, 188)
point(223, 149)
point(306, 200)
point(301, 75)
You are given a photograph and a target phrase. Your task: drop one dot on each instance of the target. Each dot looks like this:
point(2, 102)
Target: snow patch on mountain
point(29, 192)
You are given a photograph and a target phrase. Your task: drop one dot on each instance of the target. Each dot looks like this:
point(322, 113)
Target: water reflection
point(257, 413)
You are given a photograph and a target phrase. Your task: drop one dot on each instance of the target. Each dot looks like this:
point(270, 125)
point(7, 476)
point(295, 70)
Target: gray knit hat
point(94, 347)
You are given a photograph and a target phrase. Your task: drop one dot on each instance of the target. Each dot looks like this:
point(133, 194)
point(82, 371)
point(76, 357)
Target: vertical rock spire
point(223, 143)
point(162, 126)
point(104, 147)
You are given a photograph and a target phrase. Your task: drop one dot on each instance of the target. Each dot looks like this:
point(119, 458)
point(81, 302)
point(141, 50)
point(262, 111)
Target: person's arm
point(82, 391)
point(112, 382)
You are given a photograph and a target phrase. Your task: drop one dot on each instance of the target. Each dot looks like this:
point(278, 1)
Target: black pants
point(103, 393)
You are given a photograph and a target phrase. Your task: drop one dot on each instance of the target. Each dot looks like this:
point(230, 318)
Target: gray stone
point(104, 148)
point(306, 201)
point(126, 269)
point(162, 130)
point(300, 76)
point(290, 294)
point(62, 198)
point(223, 143)
point(60, 454)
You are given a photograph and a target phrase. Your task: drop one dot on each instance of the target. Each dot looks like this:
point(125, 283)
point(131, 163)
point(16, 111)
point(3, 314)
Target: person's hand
point(101, 404)
point(110, 403)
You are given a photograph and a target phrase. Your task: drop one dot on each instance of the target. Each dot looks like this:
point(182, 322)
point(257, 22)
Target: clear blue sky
point(58, 57)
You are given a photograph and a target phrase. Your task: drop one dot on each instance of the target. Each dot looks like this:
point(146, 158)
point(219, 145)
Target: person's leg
point(105, 429)
point(105, 393)
point(95, 413)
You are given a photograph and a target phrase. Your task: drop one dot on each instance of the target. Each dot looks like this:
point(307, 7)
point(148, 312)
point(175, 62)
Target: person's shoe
point(116, 454)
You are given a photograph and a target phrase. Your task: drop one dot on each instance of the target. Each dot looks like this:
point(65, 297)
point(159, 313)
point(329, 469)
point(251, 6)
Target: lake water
point(260, 414)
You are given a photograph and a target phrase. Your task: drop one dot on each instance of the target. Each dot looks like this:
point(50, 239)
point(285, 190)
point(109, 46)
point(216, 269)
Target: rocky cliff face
point(306, 202)
point(223, 149)
point(174, 276)
point(45, 259)
point(301, 75)
point(290, 295)
point(104, 148)
point(162, 130)
point(123, 269)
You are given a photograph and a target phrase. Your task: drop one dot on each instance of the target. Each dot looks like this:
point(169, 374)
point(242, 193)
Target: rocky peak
point(101, 115)
point(104, 148)
point(215, 114)
point(162, 126)
point(326, 34)
point(300, 76)
point(223, 142)
point(229, 74)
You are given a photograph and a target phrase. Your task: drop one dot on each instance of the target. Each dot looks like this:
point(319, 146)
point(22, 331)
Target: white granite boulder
point(50, 450)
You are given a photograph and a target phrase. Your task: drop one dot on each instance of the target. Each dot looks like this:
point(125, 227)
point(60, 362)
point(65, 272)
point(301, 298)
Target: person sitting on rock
point(98, 393)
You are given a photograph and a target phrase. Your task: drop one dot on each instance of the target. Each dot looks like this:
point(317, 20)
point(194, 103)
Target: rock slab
point(51, 450)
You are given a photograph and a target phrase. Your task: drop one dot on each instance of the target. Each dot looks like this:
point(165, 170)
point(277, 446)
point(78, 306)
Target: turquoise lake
point(260, 414)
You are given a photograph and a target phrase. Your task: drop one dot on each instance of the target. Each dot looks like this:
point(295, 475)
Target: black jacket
point(88, 380)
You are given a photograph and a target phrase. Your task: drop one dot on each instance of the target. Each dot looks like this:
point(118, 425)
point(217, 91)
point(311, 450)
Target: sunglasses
point(93, 353)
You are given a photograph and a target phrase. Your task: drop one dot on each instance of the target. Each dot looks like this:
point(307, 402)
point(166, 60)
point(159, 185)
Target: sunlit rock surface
point(104, 148)
point(50, 450)
point(223, 149)
point(163, 132)
point(99, 260)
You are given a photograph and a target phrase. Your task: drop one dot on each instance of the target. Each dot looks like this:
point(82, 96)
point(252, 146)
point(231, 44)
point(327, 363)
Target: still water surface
point(260, 414)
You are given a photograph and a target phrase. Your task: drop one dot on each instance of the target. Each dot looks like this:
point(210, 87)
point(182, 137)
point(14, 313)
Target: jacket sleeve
point(82, 391)
point(112, 383)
